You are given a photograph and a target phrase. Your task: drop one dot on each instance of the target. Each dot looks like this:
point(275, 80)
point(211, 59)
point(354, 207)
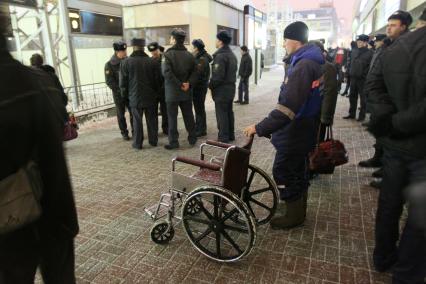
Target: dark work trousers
point(188, 119)
point(164, 118)
point(55, 260)
point(225, 121)
point(400, 171)
point(199, 99)
point(357, 89)
point(120, 106)
point(243, 89)
point(378, 150)
point(290, 172)
point(151, 118)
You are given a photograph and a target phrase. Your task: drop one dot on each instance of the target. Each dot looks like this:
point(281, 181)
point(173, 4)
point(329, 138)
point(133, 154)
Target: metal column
point(66, 30)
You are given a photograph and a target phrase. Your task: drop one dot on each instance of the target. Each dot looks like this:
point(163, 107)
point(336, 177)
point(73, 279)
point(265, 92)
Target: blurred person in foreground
point(397, 100)
point(293, 125)
point(31, 130)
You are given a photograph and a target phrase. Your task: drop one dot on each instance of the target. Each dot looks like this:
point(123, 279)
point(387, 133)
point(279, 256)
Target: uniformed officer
point(222, 85)
point(359, 69)
point(138, 84)
point(202, 61)
point(178, 68)
point(157, 54)
point(112, 69)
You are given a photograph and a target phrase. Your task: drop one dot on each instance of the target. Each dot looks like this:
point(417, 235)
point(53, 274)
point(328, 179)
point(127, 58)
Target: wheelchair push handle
point(197, 163)
point(246, 146)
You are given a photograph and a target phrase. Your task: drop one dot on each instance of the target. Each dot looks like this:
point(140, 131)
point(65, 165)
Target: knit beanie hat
point(297, 31)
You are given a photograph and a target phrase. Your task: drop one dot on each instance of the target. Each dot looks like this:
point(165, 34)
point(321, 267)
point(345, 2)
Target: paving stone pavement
point(113, 184)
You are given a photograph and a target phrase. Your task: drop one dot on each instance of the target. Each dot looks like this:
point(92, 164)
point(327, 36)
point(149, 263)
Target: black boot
point(349, 117)
point(378, 173)
point(376, 184)
point(171, 146)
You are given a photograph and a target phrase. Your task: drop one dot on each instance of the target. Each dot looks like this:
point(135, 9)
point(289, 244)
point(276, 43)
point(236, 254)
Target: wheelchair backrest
point(249, 143)
point(235, 169)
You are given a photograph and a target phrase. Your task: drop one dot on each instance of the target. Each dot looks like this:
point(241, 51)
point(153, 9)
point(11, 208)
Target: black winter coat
point(112, 77)
point(224, 75)
point(360, 63)
point(178, 67)
point(246, 66)
point(329, 93)
point(202, 62)
point(138, 80)
point(31, 128)
point(159, 78)
point(397, 87)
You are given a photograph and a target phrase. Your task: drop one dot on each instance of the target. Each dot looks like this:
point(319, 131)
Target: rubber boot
point(294, 217)
point(281, 209)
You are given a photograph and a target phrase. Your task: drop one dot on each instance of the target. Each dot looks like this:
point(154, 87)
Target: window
point(232, 32)
point(158, 34)
point(85, 22)
point(27, 3)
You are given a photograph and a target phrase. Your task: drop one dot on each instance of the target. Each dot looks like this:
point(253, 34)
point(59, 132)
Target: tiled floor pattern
point(113, 184)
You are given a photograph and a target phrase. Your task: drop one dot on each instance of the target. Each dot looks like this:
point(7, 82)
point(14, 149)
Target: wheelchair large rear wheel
point(260, 193)
point(213, 230)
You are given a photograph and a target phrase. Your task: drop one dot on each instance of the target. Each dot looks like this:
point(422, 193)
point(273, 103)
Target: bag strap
point(318, 135)
point(331, 132)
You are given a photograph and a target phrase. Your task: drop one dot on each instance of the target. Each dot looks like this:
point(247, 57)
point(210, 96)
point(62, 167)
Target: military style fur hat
point(138, 42)
point(119, 46)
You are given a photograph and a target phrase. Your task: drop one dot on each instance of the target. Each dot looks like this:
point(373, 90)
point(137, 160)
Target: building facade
point(323, 22)
point(370, 16)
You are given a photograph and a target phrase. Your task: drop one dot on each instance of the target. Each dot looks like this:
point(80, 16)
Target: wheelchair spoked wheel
point(260, 194)
point(213, 231)
point(162, 233)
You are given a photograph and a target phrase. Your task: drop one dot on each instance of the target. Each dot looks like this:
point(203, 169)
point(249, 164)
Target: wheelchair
point(221, 203)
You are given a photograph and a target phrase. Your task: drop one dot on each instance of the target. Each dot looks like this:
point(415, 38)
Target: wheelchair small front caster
point(193, 206)
point(162, 233)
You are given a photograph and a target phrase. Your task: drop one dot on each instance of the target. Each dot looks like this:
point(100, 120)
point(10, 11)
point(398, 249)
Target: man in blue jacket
point(293, 125)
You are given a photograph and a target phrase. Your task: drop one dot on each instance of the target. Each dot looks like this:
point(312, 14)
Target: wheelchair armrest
point(218, 144)
point(198, 163)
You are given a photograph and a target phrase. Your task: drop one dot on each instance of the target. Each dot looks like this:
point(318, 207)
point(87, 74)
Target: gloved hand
point(381, 126)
